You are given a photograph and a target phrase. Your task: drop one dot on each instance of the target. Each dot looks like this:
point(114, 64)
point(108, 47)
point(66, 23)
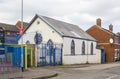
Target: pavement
point(47, 72)
point(37, 73)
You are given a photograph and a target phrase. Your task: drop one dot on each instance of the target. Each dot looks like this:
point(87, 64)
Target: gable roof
point(109, 31)
point(64, 29)
point(9, 27)
point(105, 30)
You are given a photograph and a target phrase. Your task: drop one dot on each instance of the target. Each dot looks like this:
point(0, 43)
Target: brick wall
point(100, 35)
point(103, 37)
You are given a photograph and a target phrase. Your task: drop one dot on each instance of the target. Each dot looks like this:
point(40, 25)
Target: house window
point(91, 49)
point(83, 48)
point(72, 47)
point(49, 43)
point(50, 47)
point(27, 42)
point(2, 35)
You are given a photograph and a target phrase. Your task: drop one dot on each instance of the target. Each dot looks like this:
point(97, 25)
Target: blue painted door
point(102, 56)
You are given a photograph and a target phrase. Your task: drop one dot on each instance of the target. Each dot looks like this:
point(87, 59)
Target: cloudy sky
point(79, 12)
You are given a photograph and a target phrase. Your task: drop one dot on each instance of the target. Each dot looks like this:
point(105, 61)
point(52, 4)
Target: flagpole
point(21, 36)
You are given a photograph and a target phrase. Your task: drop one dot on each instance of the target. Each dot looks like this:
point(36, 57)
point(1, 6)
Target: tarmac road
point(107, 71)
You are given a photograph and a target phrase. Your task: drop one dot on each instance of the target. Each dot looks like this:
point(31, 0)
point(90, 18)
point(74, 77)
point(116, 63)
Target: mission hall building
point(74, 45)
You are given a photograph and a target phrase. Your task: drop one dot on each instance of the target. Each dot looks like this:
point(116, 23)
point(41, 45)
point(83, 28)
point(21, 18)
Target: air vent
point(38, 22)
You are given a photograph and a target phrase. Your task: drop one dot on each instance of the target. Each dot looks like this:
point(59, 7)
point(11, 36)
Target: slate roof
point(9, 27)
point(65, 29)
point(105, 30)
point(109, 31)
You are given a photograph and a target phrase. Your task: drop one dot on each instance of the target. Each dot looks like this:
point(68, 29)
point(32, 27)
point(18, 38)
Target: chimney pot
point(111, 27)
point(98, 22)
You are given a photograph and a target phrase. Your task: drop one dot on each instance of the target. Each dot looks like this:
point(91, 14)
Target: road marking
point(112, 77)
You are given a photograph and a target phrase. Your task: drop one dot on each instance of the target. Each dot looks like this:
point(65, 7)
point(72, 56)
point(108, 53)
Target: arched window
point(49, 43)
point(91, 49)
point(72, 47)
point(27, 42)
point(50, 47)
point(83, 48)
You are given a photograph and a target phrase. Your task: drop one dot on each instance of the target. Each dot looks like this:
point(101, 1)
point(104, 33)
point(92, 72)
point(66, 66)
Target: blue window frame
point(72, 47)
point(83, 48)
point(91, 52)
point(50, 47)
point(50, 43)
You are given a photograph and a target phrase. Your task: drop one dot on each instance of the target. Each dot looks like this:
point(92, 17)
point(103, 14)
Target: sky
point(79, 12)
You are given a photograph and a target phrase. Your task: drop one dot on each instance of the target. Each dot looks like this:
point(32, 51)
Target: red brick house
point(107, 39)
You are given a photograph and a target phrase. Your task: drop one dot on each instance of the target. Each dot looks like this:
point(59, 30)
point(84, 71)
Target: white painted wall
point(46, 31)
point(98, 55)
point(79, 58)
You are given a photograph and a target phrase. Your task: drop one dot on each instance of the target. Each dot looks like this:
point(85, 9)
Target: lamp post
point(21, 32)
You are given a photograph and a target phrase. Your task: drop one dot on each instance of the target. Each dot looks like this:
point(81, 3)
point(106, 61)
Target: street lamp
point(21, 32)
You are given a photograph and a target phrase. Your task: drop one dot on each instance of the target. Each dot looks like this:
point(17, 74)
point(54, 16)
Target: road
point(79, 73)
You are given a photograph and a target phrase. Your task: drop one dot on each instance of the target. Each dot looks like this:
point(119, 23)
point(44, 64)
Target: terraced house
point(58, 42)
point(107, 39)
point(10, 33)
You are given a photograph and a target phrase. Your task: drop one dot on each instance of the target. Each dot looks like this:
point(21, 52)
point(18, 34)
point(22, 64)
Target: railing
point(7, 71)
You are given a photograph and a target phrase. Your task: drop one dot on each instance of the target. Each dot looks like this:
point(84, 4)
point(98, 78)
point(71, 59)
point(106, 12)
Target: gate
point(49, 54)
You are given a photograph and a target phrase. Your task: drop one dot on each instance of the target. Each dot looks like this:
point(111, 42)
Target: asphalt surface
point(85, 71)
point(104, 71)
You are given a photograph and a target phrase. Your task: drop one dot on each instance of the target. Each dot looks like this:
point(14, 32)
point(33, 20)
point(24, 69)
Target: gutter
point(80, 38)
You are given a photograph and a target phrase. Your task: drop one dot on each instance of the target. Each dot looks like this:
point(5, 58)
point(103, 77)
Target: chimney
point(98, 22)
point(111, 27)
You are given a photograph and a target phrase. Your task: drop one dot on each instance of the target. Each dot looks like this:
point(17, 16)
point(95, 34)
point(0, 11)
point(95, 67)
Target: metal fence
point(49, 55)
point(7, 71)
point(10, 60)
